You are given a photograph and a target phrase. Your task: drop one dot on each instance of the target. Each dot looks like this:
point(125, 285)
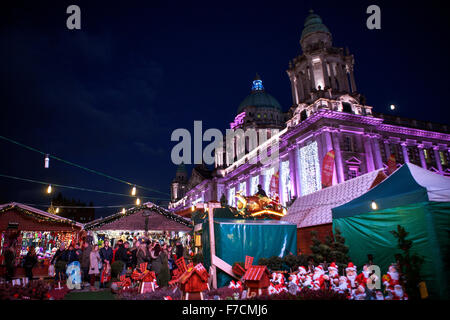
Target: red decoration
point(327, 169)
point(248, 262)
point(257, 280)
point(392, 165)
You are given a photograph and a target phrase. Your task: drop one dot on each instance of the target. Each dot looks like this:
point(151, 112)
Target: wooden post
point(212, 243)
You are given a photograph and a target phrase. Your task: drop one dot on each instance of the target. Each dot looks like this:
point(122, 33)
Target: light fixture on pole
point(47, 162)
point(133, 191)
point(374, 205)
point(49, 188)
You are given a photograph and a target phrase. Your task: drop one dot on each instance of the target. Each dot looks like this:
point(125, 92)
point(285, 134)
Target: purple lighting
point(238, 120)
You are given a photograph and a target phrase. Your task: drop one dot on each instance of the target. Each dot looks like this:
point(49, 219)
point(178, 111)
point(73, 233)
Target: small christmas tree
point(409, 265)
point(331, 250)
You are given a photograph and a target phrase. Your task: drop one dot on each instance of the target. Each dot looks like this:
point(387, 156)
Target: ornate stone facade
point(327, 114)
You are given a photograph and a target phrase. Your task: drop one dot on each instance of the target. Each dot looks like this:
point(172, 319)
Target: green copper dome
point(259, 98)
point(313, 23)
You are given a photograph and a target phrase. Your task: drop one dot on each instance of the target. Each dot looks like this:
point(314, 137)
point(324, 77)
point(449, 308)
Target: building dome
point(259, 98)
point(313, 23)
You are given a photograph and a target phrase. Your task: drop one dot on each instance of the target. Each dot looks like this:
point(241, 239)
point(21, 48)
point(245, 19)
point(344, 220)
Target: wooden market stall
point(26, 226)
point(147, 220)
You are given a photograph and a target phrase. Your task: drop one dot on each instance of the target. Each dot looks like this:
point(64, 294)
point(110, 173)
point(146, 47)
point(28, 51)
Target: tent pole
point(212, 243)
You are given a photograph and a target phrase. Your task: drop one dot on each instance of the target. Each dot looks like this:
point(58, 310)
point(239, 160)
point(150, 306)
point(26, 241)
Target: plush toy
point(73, 275)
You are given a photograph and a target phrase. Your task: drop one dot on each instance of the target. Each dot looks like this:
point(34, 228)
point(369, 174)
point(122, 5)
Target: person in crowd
point(29, 262)
point(106, 253)
point(78, 250)
point(133, 252)
point(94, 260)
point(126, 245)
point(116, 247)
point(85, 261)
point(10, 261)
point(71, 254)
point(60, 262)
point(141, 254)
point(121, 255)
point(156, 259)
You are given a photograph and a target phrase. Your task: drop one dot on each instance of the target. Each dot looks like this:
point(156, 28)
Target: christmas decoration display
point(193, 282)
point(73, 275)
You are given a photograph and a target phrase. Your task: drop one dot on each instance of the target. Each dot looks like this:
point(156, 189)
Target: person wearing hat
point(60, 262)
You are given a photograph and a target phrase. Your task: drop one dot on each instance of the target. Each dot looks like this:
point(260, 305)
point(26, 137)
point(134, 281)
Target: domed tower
point(259, 110)
point(322, 71)
point(179, 183)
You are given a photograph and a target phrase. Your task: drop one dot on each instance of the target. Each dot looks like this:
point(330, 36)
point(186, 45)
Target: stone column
point(343, 83)
point(300, 88)
point(368, 153)
point(326, 80)
point(294, 89)
point(387, 150)
point(338, 157)
point(333, 77)
point(328, 145)
point(352, 79)
point(293, 170)
point(377, 153)
point(262, 179)
point(318, 139)
point(423, 162)
point(405, 152)
point(311, 72)
point(438, 159)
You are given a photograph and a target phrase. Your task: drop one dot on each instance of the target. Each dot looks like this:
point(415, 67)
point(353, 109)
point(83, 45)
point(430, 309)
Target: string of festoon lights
point(48, 156)
point(50, 188)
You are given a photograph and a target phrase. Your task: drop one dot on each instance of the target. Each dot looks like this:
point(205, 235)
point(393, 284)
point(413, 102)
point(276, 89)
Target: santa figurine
point(350, 273)
point(379, 295)
point(360, 293)
point(343, 286)
point(318, 278)
point(271, 289)
point(333, 275)
point(239, 286)
point(391, 279)
point(398, 293)
point(364, 275)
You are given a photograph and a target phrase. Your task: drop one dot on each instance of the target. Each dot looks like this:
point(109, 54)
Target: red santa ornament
point(318, 278)
point(350, 272)
point(364, 275)
point(391, 279)
point(398, 293)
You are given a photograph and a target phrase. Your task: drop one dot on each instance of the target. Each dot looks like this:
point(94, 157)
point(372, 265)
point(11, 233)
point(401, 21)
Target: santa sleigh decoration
point(260, 207)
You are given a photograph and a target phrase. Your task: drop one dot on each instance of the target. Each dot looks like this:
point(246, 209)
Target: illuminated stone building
point(328, 113)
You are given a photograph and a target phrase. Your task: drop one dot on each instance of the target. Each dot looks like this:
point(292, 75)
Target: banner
point(327, 169)
point(275, 184)
point(392, 165)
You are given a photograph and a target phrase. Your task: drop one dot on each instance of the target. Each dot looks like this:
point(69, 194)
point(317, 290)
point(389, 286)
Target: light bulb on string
point(138, 201)
point(49, 188)
point(47, 161)
point(123, 210)
point(57, 210)
point(392, 106)
point(374, 205)
point(133, 191)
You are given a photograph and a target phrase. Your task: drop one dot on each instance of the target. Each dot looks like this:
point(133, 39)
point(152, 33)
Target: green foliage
point(273, 263)
point(330, 250)
point(293, 262)
point(409, 264)
point(116, 269)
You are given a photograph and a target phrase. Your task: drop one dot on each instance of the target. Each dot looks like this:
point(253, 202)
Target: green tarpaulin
point(415, 199)
point(237, 238)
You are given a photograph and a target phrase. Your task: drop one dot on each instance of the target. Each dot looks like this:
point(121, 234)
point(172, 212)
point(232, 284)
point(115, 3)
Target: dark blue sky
point(109, 95)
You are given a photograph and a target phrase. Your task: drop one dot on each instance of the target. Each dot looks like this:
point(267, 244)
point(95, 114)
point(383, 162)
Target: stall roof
point(315, 208)
point(407, 185)
point(48, 215)
point(134, 219)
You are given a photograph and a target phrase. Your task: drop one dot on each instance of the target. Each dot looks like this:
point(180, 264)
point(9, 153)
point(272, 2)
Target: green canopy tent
point(414, 198)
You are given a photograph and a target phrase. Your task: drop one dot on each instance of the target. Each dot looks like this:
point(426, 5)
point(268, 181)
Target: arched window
point(347, 107)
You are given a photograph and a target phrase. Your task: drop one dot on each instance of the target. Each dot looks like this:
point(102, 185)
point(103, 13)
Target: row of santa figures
point(354, 286)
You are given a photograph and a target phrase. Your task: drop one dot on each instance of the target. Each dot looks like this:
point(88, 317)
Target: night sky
point(108, 96)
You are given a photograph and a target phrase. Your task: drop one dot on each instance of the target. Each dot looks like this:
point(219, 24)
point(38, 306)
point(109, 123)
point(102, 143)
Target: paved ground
point(86, 294)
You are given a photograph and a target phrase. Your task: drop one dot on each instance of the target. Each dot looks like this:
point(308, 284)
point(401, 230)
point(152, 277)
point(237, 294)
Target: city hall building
point(328, 113)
